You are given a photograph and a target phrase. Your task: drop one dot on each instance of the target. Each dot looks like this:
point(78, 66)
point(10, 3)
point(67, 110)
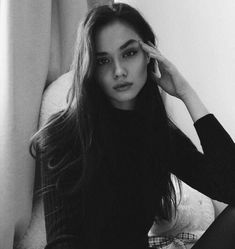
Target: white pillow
point(54, 97)
point(194, 214)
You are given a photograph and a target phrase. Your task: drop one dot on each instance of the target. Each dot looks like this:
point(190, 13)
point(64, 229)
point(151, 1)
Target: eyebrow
point(123, 46)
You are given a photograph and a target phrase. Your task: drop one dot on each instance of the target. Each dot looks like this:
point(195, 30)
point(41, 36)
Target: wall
point(199, 38)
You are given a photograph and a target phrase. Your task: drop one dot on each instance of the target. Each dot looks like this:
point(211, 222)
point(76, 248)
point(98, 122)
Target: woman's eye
point(102, 61)
point(130, 53)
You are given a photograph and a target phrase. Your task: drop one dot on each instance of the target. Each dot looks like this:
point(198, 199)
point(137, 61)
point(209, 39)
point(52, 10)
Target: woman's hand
point(170, 79)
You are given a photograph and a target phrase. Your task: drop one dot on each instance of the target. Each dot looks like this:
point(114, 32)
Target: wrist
point(187, 94)
point(194, 105)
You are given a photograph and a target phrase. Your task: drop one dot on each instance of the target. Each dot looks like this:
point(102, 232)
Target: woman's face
point(121, 64)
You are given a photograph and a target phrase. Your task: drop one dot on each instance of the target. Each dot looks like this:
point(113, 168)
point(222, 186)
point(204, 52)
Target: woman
point(107, 158)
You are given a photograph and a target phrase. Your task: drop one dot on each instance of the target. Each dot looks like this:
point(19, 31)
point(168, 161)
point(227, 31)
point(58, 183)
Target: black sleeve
point(211, 172)
point(62, 214)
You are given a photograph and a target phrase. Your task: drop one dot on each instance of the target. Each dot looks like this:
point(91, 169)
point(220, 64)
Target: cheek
point(141, 68)
point(102, 77)
point(98, 75)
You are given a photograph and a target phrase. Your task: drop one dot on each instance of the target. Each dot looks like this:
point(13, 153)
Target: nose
point(119, 70)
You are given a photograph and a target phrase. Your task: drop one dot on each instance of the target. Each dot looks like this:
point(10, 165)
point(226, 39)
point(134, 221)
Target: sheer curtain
point(36, 47)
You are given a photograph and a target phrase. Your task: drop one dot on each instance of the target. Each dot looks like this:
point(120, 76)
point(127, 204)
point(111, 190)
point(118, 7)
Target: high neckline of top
point(114, 111)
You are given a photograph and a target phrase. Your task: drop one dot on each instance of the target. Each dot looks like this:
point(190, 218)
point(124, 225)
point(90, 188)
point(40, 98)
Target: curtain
point(37, 40)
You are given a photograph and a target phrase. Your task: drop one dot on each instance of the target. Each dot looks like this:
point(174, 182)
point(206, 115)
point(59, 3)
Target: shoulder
point(54, 96)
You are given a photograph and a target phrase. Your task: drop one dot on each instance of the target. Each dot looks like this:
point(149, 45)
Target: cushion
point(194, 214)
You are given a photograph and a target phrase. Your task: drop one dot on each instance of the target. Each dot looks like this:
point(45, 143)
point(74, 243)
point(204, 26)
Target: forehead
point(112, 36)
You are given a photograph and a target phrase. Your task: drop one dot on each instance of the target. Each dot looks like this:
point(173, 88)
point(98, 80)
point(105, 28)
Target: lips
point(122, 85)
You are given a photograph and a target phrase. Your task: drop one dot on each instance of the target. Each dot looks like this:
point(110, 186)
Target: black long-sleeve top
point(129, 191)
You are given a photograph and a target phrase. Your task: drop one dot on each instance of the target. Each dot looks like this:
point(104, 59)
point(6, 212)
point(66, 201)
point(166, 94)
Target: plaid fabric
point(179, 241)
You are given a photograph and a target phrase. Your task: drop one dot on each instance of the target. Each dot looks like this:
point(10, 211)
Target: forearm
point(194, 105)
point(221, 233)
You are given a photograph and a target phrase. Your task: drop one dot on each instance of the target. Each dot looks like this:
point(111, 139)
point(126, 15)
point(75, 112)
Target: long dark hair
point(71, 140)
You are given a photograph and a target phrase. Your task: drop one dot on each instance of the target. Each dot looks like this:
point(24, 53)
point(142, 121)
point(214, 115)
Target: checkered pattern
point(179, 241)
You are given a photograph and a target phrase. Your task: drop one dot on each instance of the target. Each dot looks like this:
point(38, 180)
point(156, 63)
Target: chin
point(126, 98)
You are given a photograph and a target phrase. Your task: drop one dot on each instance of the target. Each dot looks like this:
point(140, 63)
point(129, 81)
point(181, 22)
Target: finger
point(158, 73)
point(152, 51)
point(155, 47)
point(152, 45)
point(147, 48)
